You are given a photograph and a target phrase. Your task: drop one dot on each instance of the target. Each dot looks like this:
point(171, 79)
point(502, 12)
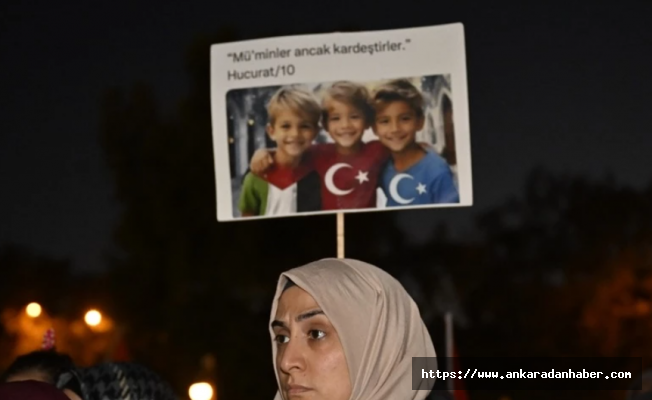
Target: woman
point(346, 330)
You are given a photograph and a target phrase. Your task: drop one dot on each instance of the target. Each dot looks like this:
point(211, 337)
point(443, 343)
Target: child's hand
point(260, 162)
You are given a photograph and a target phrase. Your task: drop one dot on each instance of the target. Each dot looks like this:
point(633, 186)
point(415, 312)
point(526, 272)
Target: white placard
point(341, 122)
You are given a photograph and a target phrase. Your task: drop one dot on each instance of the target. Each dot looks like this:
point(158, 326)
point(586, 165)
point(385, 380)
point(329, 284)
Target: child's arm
point(261, 161)
point(249, 203)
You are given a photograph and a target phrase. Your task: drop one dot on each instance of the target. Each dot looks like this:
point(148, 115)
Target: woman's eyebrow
point(280, 324)
point(301, 317)
point(308, 314)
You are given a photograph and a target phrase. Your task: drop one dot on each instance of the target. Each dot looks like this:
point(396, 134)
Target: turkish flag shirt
point(349, 181)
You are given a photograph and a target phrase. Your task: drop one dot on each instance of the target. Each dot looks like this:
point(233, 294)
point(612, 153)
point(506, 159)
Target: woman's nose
point(291, 358)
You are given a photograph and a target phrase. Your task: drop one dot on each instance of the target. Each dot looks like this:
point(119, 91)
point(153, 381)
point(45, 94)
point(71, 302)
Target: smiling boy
point(413, 176)
point(289, 185)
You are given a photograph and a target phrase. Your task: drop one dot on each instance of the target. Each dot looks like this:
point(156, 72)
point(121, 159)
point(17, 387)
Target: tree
point(557, 259)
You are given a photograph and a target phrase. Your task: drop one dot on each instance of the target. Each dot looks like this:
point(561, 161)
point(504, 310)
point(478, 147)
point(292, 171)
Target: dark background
point(107, 194)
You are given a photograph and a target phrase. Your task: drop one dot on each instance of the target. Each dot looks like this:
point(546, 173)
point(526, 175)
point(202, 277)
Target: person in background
point(47, 366)
point(106, 381)
point(123, 381)
point(30, 390)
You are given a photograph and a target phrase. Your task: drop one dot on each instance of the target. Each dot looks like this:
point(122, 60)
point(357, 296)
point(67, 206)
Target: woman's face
point(310, 359)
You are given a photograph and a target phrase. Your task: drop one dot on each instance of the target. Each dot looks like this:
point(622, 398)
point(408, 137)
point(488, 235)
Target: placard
point(341, 122)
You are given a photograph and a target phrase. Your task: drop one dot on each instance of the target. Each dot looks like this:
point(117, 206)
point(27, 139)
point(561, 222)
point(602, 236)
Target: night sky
point(565, 87)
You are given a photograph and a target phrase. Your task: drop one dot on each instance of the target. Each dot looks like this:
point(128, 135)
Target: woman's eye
point(316, 334)
point(281, 339)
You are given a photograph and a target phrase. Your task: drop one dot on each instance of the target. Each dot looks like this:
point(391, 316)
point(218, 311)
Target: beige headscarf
point(377, 321)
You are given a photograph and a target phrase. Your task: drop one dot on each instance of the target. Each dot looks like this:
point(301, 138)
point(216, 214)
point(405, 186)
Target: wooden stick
point(340, 235)
point(449, 348)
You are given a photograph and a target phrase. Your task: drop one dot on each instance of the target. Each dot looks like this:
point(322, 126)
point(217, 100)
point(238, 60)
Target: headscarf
point(377, 321)
point(30, 390)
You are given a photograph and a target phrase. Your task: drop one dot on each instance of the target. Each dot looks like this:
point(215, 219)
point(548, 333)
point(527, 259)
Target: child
point(414, 176)
point(289, 185)
point(349, 168)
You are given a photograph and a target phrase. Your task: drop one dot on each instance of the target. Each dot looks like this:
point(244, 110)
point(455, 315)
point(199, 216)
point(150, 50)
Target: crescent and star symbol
point(393, 188)
point(330, 185)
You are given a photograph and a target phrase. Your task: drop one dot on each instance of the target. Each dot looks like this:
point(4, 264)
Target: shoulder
point(433, 159)
point(388, 171)
point(251, 181)
point(374, 146)
point(320, 148)
point(433, 165)
point(376, 151)
point(320, 153)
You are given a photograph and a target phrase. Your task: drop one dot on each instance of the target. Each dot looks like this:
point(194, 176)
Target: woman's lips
point(297, 389)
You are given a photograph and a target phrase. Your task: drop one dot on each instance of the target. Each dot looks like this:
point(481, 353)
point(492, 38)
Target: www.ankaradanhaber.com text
point(570, 374)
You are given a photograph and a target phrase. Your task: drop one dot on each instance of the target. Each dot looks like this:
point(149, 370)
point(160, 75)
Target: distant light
point(231, 140)
point(200, 391)
point(642, 308)
point(93, 318)
point(33, 310)
point(250, 122)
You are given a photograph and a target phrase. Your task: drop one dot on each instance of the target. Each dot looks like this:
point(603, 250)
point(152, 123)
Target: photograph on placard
point(341, 145)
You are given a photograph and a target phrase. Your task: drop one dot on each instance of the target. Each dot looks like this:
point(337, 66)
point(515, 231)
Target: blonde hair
point(350, 93)
point(297, 100)
point(399, 90)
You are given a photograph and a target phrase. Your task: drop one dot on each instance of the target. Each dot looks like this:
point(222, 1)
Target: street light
point(33, 310)
point(200, 391)
point(93, 318)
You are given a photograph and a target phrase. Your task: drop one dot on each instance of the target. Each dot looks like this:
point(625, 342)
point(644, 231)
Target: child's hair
point(296, 99)
point(350, 93)
point(399, 90)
